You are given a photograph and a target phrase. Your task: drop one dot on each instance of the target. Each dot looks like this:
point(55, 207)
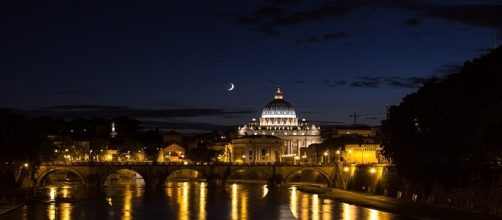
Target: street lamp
point(326, 153)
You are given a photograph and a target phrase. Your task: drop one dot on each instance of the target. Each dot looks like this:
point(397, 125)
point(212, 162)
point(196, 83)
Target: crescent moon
point(232, 86)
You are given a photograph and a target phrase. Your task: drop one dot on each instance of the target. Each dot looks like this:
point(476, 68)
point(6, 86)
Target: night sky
point(172, 61)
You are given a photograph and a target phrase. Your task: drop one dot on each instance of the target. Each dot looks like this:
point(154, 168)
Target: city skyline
point(173, 62)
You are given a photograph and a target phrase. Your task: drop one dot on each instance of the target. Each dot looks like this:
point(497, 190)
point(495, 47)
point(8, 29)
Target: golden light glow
point(26, 165)
point(127, 208)
point(346, 169)
point(234, 201)
point(265, 191)
point(349, 212)
point(202, 201)
point(51, 211)
point(65, 211)
point(305, 206)
point(182, 197)
point(293, 202)
point(372, 170)
point(52, 193)
point(315, 207)
point(326, 206)
point(373, 215)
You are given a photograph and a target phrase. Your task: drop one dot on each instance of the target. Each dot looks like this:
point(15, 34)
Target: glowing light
point(346, 169)
point(315, 206)
point(26, 165)
point(293, 202)
point(51, 211)
point(127, 208)
point(234, 203)
point(202, 201)
point(349, 212)
point(52, 193)
point(373, 215)
point(326, 153)
point(265, 191)
point(66, 211)
point(305, 206)
point(372, 170)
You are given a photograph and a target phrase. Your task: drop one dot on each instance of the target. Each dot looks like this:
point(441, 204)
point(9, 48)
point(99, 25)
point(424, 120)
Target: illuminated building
point(362, 153)
point(171, 153)
point(279, 119)
point(255, 149)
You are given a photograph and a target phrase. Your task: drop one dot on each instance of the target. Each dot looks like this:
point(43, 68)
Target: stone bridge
point(155, 174)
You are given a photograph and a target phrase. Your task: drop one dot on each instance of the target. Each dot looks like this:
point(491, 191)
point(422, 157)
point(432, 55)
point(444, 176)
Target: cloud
point(300, 82)
point(282, 2)
point(334, 83)
point(198, 126)
point(448, 68)
point(375, 82)
point(268, 18)
point(413, 22)
point(366, 82)
point(391, 81)
point(326, 37)
point(407, 82)
point(103, 111)
point(78, 92)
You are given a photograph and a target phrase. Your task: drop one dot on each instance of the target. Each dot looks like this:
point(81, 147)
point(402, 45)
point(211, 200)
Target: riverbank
point(402, 207)
point(6, 207)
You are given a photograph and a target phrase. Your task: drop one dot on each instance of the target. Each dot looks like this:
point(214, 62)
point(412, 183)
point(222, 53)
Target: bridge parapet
point(95, 174)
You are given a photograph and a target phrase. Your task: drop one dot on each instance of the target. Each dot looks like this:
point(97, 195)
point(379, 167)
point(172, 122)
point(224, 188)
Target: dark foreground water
point(193, 200)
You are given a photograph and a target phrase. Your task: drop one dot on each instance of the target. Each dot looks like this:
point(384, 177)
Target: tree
point(447, 130)
point(21, 141)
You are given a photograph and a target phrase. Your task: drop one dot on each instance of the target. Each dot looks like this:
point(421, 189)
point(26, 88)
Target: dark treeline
point(450, 131)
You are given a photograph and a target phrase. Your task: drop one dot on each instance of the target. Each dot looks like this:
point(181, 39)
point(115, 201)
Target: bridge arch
point(40, 178)
point(200, 174)
point(325, 175)
point(248, 170)
point(110, 172)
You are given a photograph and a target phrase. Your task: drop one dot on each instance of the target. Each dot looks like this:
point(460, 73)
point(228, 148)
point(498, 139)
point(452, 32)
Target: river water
point(192, 200)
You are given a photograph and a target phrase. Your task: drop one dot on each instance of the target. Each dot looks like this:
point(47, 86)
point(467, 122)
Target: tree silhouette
point(447, 130)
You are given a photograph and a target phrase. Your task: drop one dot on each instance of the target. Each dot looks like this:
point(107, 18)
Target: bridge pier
point(275, 181)
point(153, 183)
point(215, 181)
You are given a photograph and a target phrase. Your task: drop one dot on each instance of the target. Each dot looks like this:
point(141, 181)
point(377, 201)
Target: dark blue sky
point(173, 60)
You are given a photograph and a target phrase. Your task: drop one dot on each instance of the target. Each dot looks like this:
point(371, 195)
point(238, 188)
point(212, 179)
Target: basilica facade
point(279, 119)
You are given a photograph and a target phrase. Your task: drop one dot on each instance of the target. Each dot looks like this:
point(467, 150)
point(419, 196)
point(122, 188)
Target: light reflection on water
point(196, 200)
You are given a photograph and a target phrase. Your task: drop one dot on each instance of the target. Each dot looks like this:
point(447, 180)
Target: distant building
point(362, 153)
point(255, 149)
point(364, 131)
point(279, 119)
point(171, 153)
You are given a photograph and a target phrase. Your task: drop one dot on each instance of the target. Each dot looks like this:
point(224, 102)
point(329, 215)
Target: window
point(263, 152)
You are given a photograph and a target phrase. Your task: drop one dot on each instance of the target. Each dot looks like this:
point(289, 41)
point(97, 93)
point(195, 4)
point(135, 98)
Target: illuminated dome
point(278, 108)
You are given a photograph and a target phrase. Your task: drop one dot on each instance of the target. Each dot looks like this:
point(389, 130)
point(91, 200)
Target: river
point(192, 200)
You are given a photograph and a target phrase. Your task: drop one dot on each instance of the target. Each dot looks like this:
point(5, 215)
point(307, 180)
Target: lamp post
point(326, 154)
point(337, 156)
